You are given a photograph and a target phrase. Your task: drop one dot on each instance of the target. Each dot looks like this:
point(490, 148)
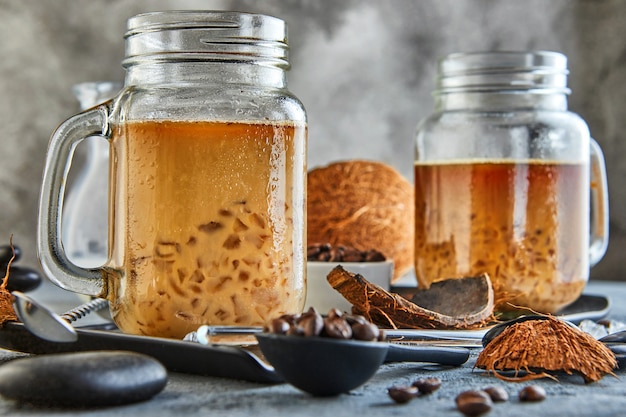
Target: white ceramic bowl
point(324, 297)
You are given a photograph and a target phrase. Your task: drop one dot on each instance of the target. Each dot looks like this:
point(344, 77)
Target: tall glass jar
point(502, 181)
point(207, 178)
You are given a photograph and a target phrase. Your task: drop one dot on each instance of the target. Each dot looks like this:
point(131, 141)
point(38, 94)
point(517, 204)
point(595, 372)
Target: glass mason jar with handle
point(85, 210)
point(503, 179)
point(207, 178)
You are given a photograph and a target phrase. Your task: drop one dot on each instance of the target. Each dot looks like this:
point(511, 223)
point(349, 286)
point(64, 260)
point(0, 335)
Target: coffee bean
point(497, 394)
point(326, 252)
point(312, 251)
point(373, 256)
point(337, 328)
point(352, 255)
point(333, 255)
point(473, 403)
point(532, 393)
point(311, 310)
point(365, 331)
point(336, 325)
point(290, 318)
point(334, 312)
point(402, 394)
point(295, 331)
point(427, 385)
point(353, 319)
point(323, 257)
point(279, 326)
point(311, 323)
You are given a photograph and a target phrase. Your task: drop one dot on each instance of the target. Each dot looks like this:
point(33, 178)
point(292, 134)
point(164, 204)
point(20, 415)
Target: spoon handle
point(452, 356)
point(82, 310)
point(617, 337)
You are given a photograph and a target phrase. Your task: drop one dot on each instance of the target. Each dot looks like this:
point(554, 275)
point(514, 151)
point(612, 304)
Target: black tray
point(176, 356)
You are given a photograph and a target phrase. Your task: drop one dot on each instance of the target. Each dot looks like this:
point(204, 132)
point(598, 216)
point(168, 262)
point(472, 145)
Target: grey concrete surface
point(199, 396)
point(363, 68)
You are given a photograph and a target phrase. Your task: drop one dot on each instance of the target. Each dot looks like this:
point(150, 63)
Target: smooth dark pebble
point(6, 253)
point(23, 279)
point(85, 379)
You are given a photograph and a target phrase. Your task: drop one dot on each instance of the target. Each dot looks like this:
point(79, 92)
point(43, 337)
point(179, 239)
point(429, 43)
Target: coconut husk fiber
point(7, 313)
point(536, 349)
point(365, 205)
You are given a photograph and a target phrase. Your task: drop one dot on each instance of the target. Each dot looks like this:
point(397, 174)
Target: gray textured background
point(363, 68)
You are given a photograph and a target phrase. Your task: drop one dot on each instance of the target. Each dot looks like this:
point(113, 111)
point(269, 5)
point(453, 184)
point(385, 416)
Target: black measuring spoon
point(324, 366)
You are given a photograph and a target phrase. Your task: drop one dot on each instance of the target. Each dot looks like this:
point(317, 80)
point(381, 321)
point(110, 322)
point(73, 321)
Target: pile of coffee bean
point(335, 324)
point(21, 278)
point(473, 403)
point(325, 252)
point(402, 394)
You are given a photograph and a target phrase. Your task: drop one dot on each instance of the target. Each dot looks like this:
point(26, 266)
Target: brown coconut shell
point(464, 303)
point(363, 204)
point(537, 348)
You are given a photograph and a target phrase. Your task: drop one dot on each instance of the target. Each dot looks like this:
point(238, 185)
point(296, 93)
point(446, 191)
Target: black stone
point(23, 279)
point(86, 379)
point(7, 252)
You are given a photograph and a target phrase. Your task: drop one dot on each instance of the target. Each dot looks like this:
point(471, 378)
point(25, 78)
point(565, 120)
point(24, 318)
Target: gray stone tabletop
point(191, 395)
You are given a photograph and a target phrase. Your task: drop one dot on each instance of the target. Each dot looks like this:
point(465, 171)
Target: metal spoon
point(46, 324)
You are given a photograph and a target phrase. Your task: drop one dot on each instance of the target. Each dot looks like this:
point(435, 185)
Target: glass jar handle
point(599, 231)
point(54, 261)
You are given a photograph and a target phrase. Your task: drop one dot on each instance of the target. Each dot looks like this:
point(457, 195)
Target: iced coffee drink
point(203, 224)
point(526, 224)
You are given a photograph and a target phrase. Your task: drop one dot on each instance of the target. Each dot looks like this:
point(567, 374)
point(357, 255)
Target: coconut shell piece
point(452, 304)
point(365, 205)
point(543, 346)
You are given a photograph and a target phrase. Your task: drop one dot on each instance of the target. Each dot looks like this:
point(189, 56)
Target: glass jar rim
point(205, 35)
point(189, 19)
point(542, 72)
